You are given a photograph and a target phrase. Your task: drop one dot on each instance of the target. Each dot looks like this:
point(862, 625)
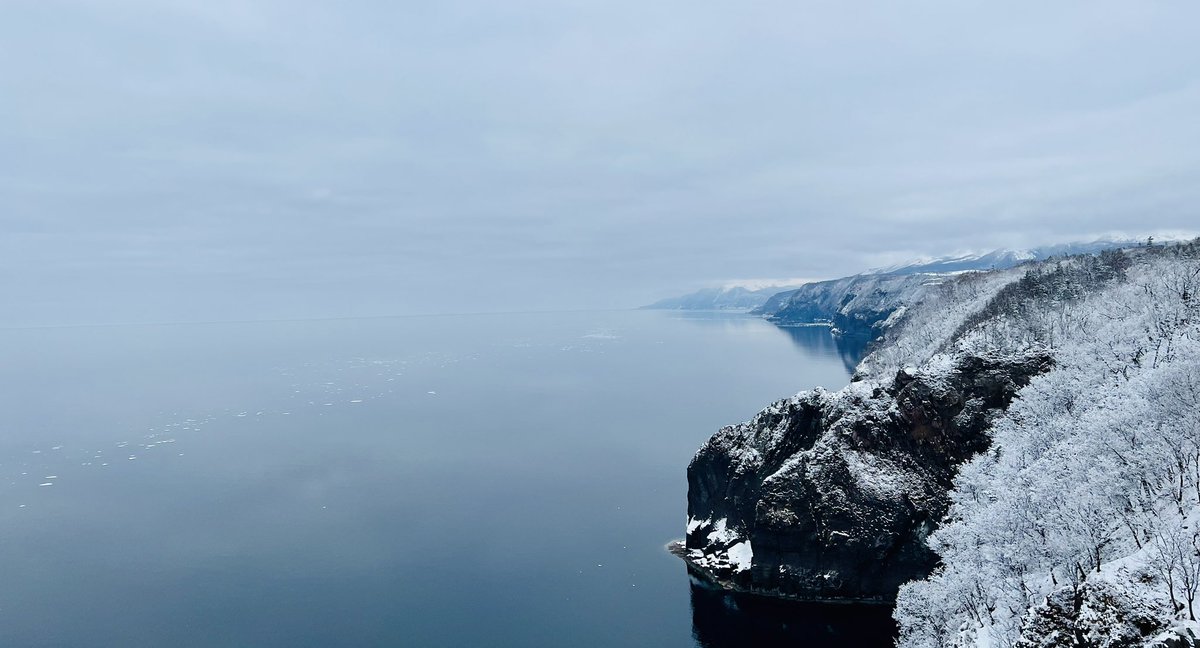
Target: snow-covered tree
point(1094, 471)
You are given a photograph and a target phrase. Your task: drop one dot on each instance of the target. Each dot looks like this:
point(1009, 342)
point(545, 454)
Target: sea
point(459, 480)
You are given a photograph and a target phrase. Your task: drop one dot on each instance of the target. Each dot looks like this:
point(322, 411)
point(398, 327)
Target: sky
point(197, 160)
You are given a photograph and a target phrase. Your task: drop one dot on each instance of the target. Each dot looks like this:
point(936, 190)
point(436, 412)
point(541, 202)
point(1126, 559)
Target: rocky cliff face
point(830, 496)
point(859, 305)
point(856, 305)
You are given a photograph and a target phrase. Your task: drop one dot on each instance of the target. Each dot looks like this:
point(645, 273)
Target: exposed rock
point(830, 496)
point(1101, 614)
point(862, 304)
point(1185, 634)
point(857, 306)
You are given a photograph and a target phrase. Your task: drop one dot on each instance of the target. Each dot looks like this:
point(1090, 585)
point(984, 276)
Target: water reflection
point(814, 340)
point(722, 619)
point(819, 339)
point(279, 466)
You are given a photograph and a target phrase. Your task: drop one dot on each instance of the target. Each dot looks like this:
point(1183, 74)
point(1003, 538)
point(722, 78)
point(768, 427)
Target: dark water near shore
point(504, 480)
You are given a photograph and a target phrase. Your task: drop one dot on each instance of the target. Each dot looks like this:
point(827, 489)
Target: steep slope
point(861, 304)
point(1079, 526)
point(856, 305)
point(846, 495)
point(1006, 257)
point(831, 496)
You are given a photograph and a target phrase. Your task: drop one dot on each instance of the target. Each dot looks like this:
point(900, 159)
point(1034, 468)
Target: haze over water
point(440, 481)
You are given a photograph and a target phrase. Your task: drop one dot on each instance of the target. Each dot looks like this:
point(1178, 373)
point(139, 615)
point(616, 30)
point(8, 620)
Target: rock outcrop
point(857, 306)
point(862, 304)
point(1106, 613)
point(830, 495)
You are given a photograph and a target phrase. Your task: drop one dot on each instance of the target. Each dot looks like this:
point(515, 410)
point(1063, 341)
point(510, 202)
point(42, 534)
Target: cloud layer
point(168, 160)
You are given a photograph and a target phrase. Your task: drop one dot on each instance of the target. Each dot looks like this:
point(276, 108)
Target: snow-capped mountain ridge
point(1004, 257)
point(958, 262)
point(757, 294)
point(858, 305)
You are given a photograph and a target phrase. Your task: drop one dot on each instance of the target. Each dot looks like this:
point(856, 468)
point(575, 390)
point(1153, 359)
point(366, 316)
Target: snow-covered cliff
point(1021, 447)
point(862, 304)
point(1079, 525)
point(859, 305)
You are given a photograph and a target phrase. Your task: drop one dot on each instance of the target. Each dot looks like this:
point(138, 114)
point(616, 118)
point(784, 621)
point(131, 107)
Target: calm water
point(499, 480)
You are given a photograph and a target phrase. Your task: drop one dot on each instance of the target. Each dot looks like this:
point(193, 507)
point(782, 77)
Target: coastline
point(707, 578)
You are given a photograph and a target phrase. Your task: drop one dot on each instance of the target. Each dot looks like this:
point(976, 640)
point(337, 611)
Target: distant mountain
point(1003, 258)
point(860, 304)
point(854, 305)
point(766, 299)
point(723, 298)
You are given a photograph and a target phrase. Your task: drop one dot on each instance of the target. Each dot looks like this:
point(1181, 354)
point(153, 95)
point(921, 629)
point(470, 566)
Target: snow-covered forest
point(1079, 525)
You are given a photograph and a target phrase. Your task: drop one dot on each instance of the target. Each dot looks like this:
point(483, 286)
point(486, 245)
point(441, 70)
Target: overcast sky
point(170, 160)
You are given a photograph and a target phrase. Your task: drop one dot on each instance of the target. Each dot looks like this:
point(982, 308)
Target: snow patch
point(741, 555)
point(721, 533)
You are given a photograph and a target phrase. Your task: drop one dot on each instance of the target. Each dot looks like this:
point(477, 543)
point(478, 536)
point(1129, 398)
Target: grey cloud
point(218, 159)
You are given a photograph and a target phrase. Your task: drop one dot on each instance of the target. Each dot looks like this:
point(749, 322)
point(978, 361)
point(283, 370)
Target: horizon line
point(333, 318)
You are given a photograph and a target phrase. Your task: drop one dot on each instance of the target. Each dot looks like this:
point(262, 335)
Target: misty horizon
point(211, 161)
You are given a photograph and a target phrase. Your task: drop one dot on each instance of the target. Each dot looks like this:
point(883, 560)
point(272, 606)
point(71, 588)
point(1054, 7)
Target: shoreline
point(708, 578)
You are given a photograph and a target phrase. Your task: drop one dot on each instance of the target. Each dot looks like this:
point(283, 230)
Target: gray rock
point(836, 492)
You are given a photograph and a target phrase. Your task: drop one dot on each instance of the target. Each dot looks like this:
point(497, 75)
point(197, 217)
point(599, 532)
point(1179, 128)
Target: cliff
point(865, 305)
point(831, 495)
point(1016, 463)
point(857, 306)
point(853, 304)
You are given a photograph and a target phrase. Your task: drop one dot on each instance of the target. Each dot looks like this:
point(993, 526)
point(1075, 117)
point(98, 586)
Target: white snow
point(740, 555)
point(721, 532)
point(878, 476)
point(1081, 481)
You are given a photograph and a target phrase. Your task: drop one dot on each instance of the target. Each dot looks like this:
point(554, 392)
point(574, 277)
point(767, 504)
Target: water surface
point(443, 481)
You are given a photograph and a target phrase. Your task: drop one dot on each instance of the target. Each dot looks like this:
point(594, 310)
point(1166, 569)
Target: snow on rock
point(721, 533)
point(740, 555)
point(838, 491)
point(1030, 432)
point(1081, 524)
